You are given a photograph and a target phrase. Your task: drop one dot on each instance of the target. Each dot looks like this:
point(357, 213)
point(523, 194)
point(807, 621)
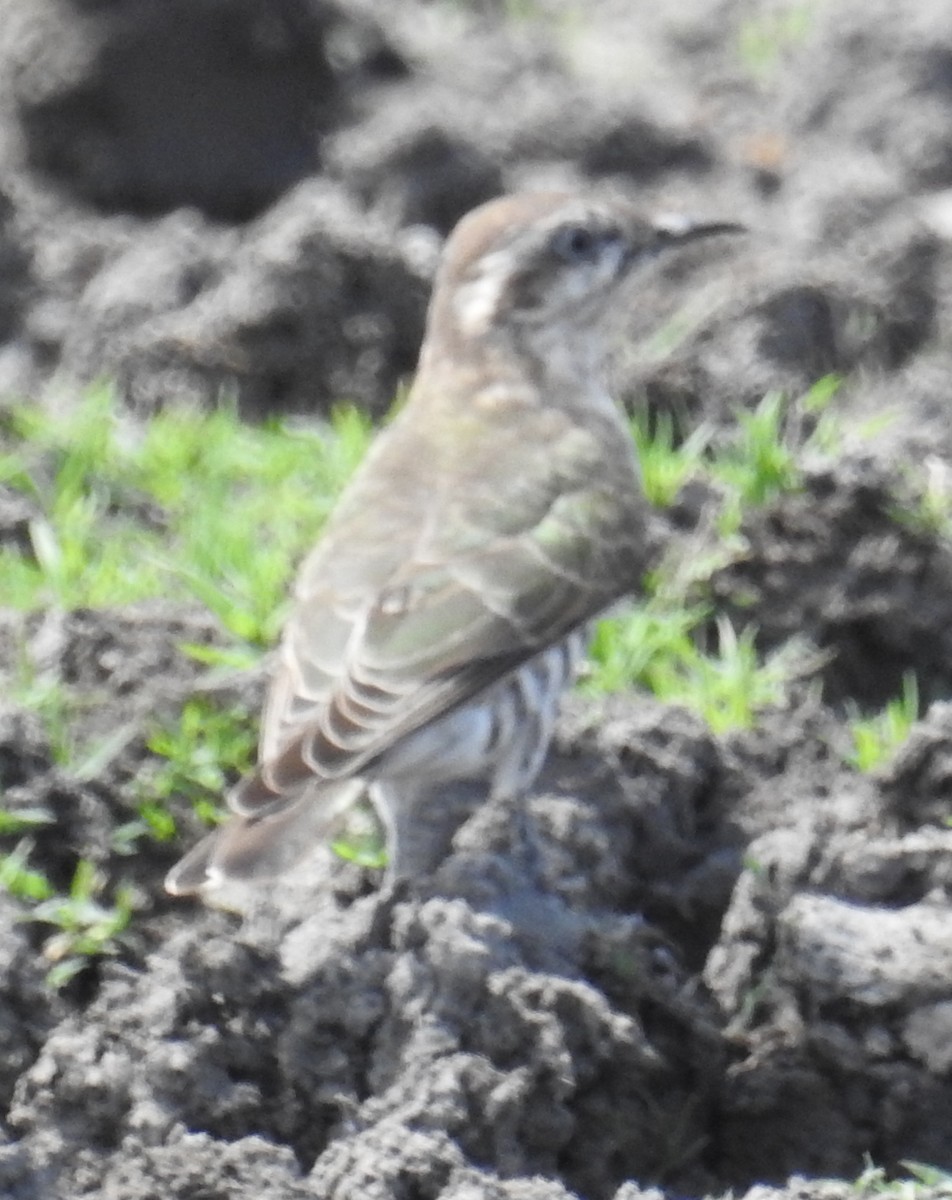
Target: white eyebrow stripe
point(477, 301)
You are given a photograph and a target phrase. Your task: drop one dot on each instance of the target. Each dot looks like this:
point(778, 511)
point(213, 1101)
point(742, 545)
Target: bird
point(447, 603)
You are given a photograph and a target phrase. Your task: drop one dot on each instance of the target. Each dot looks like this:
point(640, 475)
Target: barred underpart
point(495, 745)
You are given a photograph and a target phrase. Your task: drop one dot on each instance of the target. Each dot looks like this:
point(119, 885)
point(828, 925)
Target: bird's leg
point(420, 819)
point(525, 840)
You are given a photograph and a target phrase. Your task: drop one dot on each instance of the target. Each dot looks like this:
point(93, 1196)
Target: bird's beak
point(674, 229)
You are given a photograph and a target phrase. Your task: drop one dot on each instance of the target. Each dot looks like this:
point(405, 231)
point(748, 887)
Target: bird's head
point(540, 269)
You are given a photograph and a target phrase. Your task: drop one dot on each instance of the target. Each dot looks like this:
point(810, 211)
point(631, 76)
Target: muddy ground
point(731, 964)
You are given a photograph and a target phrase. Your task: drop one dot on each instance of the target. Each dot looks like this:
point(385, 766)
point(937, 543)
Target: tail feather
point(265, 846)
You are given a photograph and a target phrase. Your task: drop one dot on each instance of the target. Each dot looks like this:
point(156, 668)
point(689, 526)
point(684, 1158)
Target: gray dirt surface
point(721, 962)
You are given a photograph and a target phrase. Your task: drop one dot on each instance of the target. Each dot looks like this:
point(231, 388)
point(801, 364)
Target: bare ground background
point(732, 963)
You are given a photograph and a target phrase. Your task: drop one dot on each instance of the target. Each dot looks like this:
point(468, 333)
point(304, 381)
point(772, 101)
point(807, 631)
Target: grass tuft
point(86, 925)
point(669, 643)
point(877, 738)
point(191, 500)
point(923, 1182)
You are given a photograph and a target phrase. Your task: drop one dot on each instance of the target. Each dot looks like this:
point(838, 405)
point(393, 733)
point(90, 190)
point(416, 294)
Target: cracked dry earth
point(730, 966)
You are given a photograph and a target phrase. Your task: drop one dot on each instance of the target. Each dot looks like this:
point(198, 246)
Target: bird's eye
point(575, 243)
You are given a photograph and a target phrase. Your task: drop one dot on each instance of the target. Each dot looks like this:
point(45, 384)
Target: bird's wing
point(364, 667)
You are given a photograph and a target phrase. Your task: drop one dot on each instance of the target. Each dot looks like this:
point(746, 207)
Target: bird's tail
point(267, 845)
